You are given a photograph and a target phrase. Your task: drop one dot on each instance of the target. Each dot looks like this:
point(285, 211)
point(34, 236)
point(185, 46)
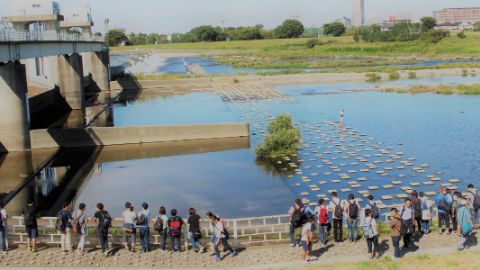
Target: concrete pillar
point(68, 77)
point(97, 68)
point(14, 120)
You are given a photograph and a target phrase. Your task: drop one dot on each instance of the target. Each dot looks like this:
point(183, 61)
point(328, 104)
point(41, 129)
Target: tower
point(358, 18)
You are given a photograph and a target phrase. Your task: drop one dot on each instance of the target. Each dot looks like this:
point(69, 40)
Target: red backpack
point(323, 216)
point(175, 227)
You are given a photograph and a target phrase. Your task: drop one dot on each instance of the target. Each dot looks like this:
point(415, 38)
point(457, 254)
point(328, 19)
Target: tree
point(250, 33)
point(289, 29)
point(205, 33)
point(428, 23)
point(335, 29)
point(356, 36)
point(476, 26)
point(115, 37)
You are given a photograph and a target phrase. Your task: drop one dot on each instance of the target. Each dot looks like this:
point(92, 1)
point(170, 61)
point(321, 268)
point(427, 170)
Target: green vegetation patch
point(283, 139)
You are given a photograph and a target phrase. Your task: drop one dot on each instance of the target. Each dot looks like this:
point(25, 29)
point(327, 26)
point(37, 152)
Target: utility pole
point(225, 32)
point(107, 21)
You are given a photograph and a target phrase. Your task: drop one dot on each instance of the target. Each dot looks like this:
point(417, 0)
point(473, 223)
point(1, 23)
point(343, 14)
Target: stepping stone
point(401, 175)
point(314, 174)
point(344, 176)
point(364, 192)
point(402, 196)
point(345, 190)
point(322, 182)
point(415, 184)
point(319, 166)
point(315, 189)
point(330, 191)
point(362, 179)
point(388, 186)
point(381, 172)
point(454, 180)
point(388, 168)
point(397, 182)
point(355, 186)
point(428, 183)
point(430, 193)
point(400, 167)
point(336, 181)
point(436, 179)
point(406, 188)
point(352, 171)
point(373, 187)
point(327, 173)
point(387, 197)
point(425, 165)
point(365, 170)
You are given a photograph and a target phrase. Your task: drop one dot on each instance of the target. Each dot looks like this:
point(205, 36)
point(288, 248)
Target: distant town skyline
point(171, 16)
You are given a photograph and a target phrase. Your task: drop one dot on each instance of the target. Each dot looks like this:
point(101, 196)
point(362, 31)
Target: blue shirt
point(441, 197)
point(147, 215)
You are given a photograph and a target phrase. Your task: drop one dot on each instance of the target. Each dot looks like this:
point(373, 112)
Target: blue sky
point(168, 16)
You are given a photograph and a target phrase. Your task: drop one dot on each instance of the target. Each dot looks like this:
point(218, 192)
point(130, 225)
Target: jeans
point(103, 238)
point(338, 230)
point(475, 218)
point(195, 242)
point(132, 237)
point(324, 232)
point(396, 246)
point(163, 239)
point(352, 229)
point(443, 218)
point(66, 239)
point(83, 239)
point(226, 245)
point(215, 247)
point(419, 226)
point(373, 242)
point(426, 226)
point(3, 239)
point(292, 234)
point(454, 223)
point(461, 244)
point(175, 244)
point(145, 238)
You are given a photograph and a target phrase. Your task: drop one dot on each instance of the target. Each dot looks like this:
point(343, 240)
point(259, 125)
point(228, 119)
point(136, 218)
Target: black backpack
point(296, 218)
point(60, 223)
point(158, 225)
point(29, 216)
point(374, 210)
point(417, 208)
point(338, 211)
point(106, 220)
point(442, 205)
point(476, 200)
point(142, 219)
point(353, 210)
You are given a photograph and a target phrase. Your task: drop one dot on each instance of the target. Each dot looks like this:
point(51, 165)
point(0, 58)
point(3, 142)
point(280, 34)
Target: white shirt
point(305, 230)
point(372, 223)
point(470, 197)
point(407, 213)
point(3, 214)
point(334, 202)
point(165, 221)
point(129, 217)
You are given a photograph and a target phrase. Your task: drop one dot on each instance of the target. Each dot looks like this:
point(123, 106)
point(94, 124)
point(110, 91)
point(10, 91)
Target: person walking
point(162, 227)
point(444, 207)
point(457, 204)
point(395, 232)
point(306, 239)
point(324, 226)
point(465, 224)
point(217, 227)
point(64, 228)
point(143, 223)
point(406, 215)
point(372, 205)
point(104, 223)
point(473, 199)
point(336, 207)
point(29, 214)
point(3, 228)
point(370, 232)
point(175, 224)
point(80, 222)
point(129, 231)
point(417, 213)
point(194, 232)
point(426, 205)
point(353, 215)
point(296, 213)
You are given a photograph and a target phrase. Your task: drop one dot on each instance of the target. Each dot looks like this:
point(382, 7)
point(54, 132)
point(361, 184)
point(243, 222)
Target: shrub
point(433, 36)
point(283, 141)
point(393, 75)
point(461, 35)
point(412, 75)
point(373, 77)
point(311, 43)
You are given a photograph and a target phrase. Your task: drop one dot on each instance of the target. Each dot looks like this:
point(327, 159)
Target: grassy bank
point(459, 260)
point(461, 89)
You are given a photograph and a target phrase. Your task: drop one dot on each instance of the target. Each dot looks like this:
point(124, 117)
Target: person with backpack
point(307, 238)
point(456, 205)
point(336, 207)
point(80, 223)
point(426, 207)
point(129, 218)
point(3, 228)
point(395, 232)
point(370, 232)
point(406, 216)
point(296, 221)
point(64, 228)
point(417, 213)
point(473, 199)
point(465, 224)
point(161, 227)
point(175, 224)
point(353, 216)
point(444, 207)
point(194, 231)
point(104, 223)
point(29, 214)
point(219, 235)
point(372, 205)
point(324, 226)
point(143, 223)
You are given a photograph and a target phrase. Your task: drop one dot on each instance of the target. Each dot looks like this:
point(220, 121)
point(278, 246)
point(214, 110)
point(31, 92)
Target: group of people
point(412, 218)
point(76, 222)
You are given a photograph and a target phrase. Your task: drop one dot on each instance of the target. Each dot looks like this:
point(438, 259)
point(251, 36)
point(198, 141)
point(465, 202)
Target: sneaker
point(232, 254)
point(217, 258)
point(292, 245)
point(204, 250)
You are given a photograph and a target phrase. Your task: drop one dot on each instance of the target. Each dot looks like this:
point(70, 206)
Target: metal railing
point(15, 36)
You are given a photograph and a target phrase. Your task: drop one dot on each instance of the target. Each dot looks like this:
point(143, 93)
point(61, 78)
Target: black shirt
point(29, 216)
point(194, 222)
point(100, 216)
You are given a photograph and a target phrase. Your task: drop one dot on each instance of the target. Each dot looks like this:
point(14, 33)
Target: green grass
point(461, 89)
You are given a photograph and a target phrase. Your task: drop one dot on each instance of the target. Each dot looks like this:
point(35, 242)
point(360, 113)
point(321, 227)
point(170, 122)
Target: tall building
point(358, 17)
point(457, 15)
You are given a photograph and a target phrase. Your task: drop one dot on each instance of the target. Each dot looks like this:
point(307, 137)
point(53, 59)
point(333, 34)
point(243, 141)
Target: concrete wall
point(104, 136)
